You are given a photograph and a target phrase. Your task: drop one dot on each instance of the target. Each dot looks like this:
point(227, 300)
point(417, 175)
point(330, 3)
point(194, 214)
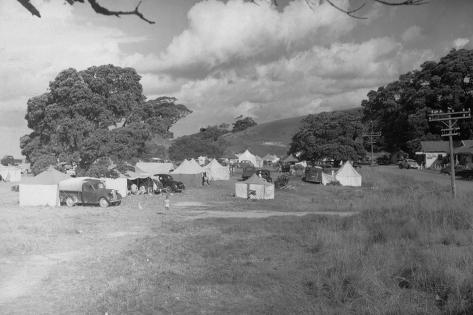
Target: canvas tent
point(247, 156)
point(10, 173)
point(216, 171)
point(154, 167)
point(348, 176)
point(261, 188)
point(119, 184)
point(189, 173)
point(41, 190)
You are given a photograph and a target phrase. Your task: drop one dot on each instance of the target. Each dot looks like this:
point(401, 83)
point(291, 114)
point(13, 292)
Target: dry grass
point(409, 251)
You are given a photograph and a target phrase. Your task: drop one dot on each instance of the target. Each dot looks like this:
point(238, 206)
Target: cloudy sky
point(225, 58)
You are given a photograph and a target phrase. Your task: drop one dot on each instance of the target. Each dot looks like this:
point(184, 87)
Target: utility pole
point(450, 119)
point(372, 135)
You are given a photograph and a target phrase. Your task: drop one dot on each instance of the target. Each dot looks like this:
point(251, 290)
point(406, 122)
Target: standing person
point(205, 179)
point(167, 202)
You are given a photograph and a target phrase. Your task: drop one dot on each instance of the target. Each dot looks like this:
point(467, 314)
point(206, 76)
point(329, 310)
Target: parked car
point(249, 171)
point(313, 174)
point(87, 191)
point(408, 163)
point(165, 182)
point(447, 169)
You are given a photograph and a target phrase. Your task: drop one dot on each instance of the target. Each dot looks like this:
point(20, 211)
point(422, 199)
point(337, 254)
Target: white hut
point(41, 190)
point(254, 187)
point(348, 176)
point(216, 171)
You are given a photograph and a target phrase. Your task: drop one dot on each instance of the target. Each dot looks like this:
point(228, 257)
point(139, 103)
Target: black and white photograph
point(236, 157)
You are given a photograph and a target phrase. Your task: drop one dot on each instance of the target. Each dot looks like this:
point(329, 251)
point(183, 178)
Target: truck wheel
point(103, 202)
point(70, 202)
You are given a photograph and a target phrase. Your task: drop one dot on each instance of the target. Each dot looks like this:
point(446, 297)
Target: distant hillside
point(272, 137)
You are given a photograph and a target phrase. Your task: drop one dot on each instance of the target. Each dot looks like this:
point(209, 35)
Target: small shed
point(254, 187)
point(41, 190)
point(433, 151)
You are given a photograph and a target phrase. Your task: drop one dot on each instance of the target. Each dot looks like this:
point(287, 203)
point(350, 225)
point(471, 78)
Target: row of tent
point(259, 161)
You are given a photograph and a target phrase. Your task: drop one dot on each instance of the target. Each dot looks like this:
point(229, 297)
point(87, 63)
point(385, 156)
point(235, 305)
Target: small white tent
point(216, 171)
point(119, 184)
point(247, 156)
point(154, 167)
point(10, 173)
point(260, 188)
point(41, 190)
point(189, 173)
point(348, 176)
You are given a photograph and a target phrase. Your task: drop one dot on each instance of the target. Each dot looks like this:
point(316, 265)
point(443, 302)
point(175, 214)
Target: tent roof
point(49, 177)
point(435, 146)
point(153, 167)
point(188, 167)
point(270, 157)
point(290, 158)
point(255, 179)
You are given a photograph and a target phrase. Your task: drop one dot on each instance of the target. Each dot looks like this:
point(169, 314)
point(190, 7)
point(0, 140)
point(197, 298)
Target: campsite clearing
point(214, 253)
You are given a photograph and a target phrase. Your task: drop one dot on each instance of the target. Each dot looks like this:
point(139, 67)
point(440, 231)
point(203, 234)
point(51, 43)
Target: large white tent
point(41, 190)
point(216, 171)
point(189, 173)
point(348, 176)
point(261, 188)
point(10, 173)
point(247, 156)
point(155, 168)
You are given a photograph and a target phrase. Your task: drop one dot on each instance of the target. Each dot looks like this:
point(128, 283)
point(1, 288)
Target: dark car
point(447, 170)
point(313, 174)
point(165, 182)
point(408, 164)
point(249, 171)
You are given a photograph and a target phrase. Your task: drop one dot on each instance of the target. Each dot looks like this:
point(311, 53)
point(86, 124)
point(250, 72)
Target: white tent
point(10, 173)
point(216, 171)
point(155, 168)
point(259, 161)
point(119, 184)
point(247, 156)
point(261, 188)
point(189, 173)
point(348, 176)
point(41, 190)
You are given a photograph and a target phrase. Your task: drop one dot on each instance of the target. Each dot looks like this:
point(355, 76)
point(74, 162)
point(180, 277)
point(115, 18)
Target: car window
point(87, 187)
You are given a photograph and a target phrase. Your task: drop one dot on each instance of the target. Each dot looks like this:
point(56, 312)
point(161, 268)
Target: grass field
point(403, 247)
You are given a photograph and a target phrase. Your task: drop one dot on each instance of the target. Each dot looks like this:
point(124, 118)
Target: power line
point(450, 120)
point(372, 135)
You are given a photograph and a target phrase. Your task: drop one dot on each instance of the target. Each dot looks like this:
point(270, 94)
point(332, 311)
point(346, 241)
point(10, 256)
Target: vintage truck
point(87, 191)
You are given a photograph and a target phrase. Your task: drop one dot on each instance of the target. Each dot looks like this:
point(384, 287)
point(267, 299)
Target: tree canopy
point(93, 114)
point(400, 109)
point(242, 124)
point(206, 142)
point(334, 135)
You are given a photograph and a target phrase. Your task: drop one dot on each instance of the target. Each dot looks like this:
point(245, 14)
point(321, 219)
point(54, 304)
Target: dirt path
point(254, 214)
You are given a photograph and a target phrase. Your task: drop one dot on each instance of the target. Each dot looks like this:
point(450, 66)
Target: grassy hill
point(272, 137)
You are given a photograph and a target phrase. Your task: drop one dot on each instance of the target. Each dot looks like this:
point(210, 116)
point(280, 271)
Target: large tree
point(400, 109)
point(335, 135)
point(98, 113)
point(243, 124)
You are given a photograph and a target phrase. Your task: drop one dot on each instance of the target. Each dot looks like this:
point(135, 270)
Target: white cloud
point(225, 34)
point(411, 34)
point(460, 42)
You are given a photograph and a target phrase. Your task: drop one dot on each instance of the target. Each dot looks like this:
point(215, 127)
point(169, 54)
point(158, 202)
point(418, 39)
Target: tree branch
point(104, 11)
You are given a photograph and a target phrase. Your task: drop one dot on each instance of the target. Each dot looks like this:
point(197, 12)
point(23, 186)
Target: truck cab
point(87, 191)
